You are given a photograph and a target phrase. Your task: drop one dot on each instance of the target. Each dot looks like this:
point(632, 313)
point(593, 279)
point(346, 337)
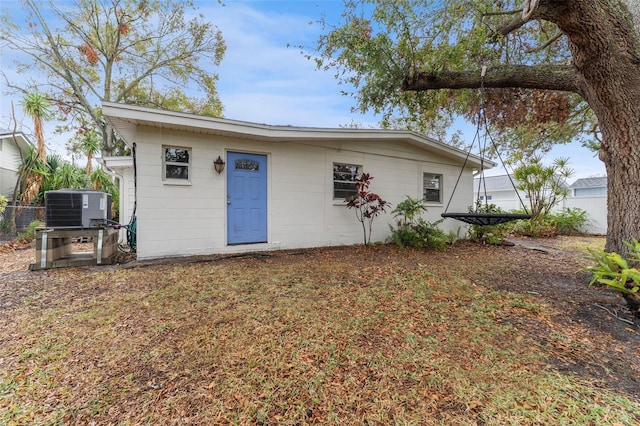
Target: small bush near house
point(489, 234)
point(413, 231)
point(30, 233)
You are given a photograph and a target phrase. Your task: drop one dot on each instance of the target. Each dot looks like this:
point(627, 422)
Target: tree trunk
point(622, 160)
point(633, 303)
point(606, 54)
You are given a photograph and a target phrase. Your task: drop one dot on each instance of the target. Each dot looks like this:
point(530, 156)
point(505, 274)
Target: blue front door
point(246, 198)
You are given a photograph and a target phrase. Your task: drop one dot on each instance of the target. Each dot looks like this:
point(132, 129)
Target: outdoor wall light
point(219, 165)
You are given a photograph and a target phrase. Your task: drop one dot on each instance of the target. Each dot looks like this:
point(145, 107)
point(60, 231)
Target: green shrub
point(569, 221)
point(566, 222)
point(413, 231)
point(542, 227)
point(30, 233)
point(488, 234)
point(408, 210)
point(3, 203)
point(422, 233)
point(619, 273)
point(614, 271)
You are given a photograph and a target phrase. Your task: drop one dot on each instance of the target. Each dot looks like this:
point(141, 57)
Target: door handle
point(228, 202)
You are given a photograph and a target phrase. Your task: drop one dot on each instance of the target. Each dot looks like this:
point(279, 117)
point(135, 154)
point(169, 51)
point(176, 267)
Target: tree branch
point(529, 9)
point(548, 43)
point(515, 23)
point(545, 77)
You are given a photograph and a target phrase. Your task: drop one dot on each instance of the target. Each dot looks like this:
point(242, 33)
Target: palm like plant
point(89, 145)
point(34, 172)
point(70, 176)
point(37, 106)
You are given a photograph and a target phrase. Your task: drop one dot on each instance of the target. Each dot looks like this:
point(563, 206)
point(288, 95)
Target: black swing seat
point(486, 218)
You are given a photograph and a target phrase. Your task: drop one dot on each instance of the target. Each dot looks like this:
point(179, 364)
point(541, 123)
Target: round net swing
point(481, 215)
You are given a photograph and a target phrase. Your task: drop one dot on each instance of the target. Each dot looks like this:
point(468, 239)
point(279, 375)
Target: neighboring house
point(589, 187)
point(501, 191)
point(590, 194)
point(10, 160)
point(282, 187)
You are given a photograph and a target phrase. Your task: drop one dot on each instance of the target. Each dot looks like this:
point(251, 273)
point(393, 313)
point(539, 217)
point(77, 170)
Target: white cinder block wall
point(191, 219)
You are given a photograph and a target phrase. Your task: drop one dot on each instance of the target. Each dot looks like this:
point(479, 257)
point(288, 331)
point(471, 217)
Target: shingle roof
point(594, 182)
point(21, 137)
point(496, 183)
point(503, 183)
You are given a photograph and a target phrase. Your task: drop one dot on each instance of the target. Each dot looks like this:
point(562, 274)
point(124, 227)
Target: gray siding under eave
point(589, 192)
point(7, 182)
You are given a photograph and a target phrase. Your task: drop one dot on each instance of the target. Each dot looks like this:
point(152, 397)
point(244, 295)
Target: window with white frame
point(489, 197)
point(344, 180)
point(176, 163)
point(432, 188)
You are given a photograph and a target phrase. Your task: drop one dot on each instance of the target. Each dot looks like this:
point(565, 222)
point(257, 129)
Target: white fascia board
point(20, 138)
point(122, 115)
point(116, 164)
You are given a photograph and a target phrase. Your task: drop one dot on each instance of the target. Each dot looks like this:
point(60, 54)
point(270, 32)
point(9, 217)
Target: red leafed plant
point(366, 204)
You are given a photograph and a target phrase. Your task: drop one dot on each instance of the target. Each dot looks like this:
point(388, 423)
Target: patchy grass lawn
point(356, 335)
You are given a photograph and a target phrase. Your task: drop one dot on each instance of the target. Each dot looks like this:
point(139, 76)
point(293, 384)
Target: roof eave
point(19, 137)
point(122, 115)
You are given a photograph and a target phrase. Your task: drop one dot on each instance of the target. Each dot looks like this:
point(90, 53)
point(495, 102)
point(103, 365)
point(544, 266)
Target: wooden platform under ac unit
point(54, 248)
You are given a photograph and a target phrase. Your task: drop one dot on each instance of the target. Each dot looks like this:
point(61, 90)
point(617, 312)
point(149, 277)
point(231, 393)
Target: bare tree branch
point(548, 43)
point(545, 77)
point(515, 23)
point(529, 9)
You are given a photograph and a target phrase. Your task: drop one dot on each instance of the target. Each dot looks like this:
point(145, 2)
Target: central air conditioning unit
point(76, 209)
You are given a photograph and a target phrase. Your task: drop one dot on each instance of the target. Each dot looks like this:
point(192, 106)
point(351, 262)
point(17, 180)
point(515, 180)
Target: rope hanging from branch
point(479, 217)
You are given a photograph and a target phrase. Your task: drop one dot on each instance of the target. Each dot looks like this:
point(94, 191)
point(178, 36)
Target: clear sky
point(265, 79)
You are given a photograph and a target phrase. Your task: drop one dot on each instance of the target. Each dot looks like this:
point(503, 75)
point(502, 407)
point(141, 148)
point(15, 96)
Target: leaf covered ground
point(350, 335)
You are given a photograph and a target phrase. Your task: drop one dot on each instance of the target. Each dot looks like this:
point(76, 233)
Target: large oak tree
point(560, 69)
point(144, 52)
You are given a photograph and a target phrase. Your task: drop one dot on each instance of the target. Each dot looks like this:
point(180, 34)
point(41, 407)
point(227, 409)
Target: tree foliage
point(141, 52)
point(37, 107)
point(56, 173)
point(545, 186)
point(89, 145)
point(383, 47)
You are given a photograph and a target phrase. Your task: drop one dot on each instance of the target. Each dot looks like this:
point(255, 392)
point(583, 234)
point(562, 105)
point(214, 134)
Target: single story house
point(500, 190)
point(202, 185)
point(590, 194)
point(589, 187)
point(10, 160)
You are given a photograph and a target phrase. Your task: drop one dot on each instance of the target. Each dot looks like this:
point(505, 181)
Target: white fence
point(596, 208)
